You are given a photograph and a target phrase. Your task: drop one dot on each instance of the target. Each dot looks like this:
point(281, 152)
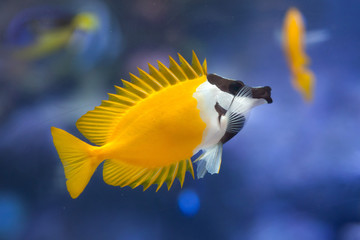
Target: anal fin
point(117, 173)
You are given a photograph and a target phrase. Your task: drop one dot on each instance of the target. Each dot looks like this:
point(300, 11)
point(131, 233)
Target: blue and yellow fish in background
point(53, 34)
point(70, 37)
point(293, 39)
point(150, 128)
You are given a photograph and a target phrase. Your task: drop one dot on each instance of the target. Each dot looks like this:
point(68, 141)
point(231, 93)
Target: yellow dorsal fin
point(151, 81)
point(204, 66)
point(141, 83)
point(190, 72)
point(126, 93)
point(158, 76)
point(120, 174)
point(168, 74)
point(197, 65)
point(177, 70)
point(131, 87)
point(98, 125)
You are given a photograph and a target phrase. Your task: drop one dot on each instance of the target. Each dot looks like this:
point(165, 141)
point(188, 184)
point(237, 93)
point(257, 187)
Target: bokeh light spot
point(189, 202)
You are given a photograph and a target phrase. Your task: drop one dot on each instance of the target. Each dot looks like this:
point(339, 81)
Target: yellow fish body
point(148, 131)
point(294, 48)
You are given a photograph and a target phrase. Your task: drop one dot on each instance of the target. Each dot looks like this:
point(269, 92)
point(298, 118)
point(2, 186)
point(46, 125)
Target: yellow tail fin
point(78, 159)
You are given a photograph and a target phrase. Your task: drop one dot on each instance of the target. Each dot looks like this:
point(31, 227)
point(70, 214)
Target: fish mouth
point(262, 92)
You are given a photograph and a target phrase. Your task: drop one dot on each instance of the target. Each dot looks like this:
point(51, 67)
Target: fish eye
point(235, 87)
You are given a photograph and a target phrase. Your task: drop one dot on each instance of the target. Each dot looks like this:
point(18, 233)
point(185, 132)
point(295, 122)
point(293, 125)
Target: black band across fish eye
point(225, 85)
point(235, 87)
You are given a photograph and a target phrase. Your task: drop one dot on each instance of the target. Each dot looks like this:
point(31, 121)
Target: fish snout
point(262, 92)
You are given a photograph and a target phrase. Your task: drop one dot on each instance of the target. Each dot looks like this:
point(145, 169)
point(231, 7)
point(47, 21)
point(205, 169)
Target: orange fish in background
point(293, 39)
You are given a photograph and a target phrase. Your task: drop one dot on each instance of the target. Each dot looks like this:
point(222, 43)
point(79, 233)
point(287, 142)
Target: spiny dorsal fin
point(120, 174)
point(98, 125)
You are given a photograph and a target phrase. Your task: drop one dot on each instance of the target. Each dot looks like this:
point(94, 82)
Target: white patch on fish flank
point(207, 95)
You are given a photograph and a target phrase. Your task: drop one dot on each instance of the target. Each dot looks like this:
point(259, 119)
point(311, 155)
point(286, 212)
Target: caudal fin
point(77, 158)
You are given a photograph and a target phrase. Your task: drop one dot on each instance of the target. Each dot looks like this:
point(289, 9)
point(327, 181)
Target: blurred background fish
point(303, 183)
point(42, 31)
point(294, 36)
point(51, 35)
point(54, 45)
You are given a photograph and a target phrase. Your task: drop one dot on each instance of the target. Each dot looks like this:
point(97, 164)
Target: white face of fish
point(208, 96)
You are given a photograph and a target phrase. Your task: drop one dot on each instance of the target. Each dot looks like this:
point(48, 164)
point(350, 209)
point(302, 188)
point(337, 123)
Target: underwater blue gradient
point(12, 215)
point(293, 172)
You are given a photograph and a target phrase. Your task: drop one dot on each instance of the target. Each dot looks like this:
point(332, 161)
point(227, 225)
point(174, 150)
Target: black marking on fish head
point(262, 92)
point(225, 85)
point(220, 110)
point(234, 87)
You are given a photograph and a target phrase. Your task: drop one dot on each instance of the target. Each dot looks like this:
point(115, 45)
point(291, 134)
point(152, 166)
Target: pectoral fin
point(209, 161)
